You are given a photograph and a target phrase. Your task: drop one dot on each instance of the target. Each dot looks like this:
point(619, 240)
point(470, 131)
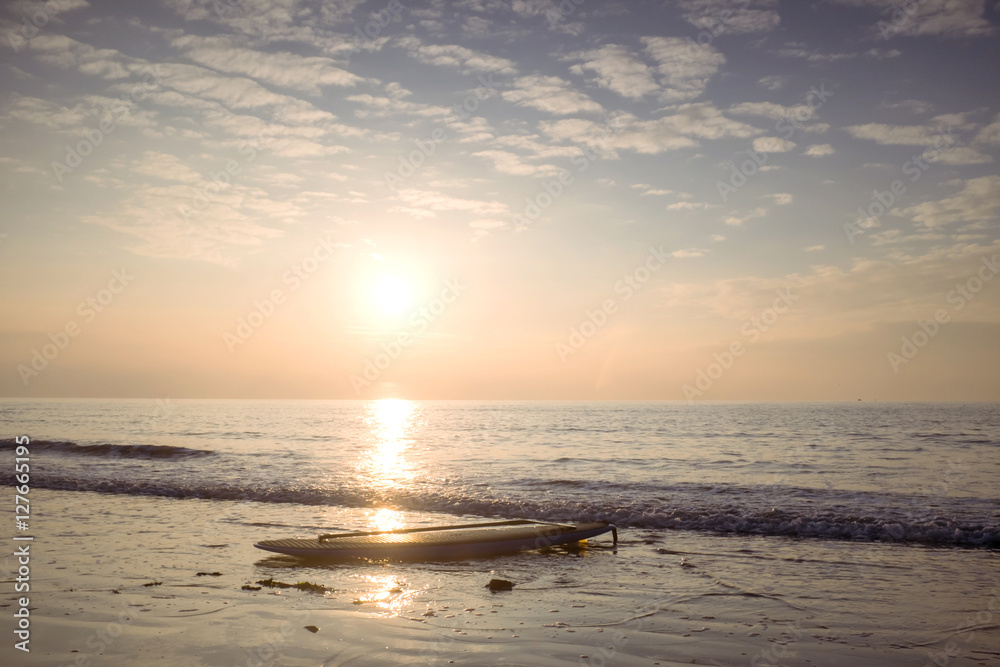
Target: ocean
point(793, 531)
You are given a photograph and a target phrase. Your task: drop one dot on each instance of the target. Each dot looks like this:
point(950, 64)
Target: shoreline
point(116, 580)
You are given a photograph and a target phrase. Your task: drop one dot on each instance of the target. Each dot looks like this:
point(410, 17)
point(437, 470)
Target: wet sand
point(94, 554)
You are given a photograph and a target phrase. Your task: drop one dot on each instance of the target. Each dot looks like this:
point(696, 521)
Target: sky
point(529, 200)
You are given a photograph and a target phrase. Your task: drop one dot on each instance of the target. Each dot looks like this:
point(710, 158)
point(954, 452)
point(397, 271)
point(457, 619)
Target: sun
point(392, 295)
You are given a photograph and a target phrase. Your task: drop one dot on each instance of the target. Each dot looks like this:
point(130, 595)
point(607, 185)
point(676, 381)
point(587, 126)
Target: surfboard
point(440, 542)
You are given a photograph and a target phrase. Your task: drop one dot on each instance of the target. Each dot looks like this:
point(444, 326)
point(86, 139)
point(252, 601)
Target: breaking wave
point(692, 514)
point(111, 451)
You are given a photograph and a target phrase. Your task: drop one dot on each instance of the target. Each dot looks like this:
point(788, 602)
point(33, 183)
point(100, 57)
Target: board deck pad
point(439, 542)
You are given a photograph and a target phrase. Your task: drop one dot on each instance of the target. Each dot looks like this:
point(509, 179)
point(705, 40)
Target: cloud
point(815, 248)
point(961, 155)
point(772, 145)
point(689, 253)
point(814, 56)
point(550, 94)
point(284, 21)
point(780, 198)
point(897, 135)
point(801, 112)
point(221, 233)
point(67, 53)
point(510, 163)
point(916, 107)
point(945, 18)
point(453, 55)
point(648, 190)
point(834, 299)
point(738, 220)
point(165, 166)
point(393, 104)
point(670, 132)
point(990, 134)
point(430, 201)
point(684, 67)
point(617, 69)
point(288, 70)
point(819, 150)
point(690, 206)
point(773, 82)
point(979, 200)
point(48, 114)
point(731, 16)
point(678, 130)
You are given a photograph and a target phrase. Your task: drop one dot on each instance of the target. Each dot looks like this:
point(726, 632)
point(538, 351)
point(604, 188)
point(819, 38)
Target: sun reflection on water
point(391, 423)
point(389, 593)
point(387, 519)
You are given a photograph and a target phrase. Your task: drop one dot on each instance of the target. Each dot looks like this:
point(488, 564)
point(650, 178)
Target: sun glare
point(393, 295)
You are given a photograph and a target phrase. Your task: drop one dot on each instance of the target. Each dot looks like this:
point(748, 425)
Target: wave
point(111, 451)
point(656, 514)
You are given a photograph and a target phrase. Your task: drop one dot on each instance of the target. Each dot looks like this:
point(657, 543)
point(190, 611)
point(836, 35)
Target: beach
point(136, 564)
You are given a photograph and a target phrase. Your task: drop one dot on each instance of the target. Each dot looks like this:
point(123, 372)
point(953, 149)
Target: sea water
point(869, 524)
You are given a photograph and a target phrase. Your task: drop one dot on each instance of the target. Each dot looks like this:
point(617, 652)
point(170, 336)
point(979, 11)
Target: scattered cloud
point(431, 201)
point(690, 206)
point(819, 150)
point(945, 18)
point(550, 94)
point(510, 163)
point(773, 82)
point(915, 107)
point(738, 220)
point(453, 55)
point(977, 201)
point(617, 69)
point(307, 74)
point(990, 134)
point(689, 253)
point(899, 135)
point(684, 69)
point(799, 112)
point(772, 145)
point(961, 155)
point(648, 190)
point(680, 129)
point(726, 16)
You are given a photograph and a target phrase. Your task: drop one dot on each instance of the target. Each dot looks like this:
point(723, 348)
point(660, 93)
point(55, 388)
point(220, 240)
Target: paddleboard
point(440, 542)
